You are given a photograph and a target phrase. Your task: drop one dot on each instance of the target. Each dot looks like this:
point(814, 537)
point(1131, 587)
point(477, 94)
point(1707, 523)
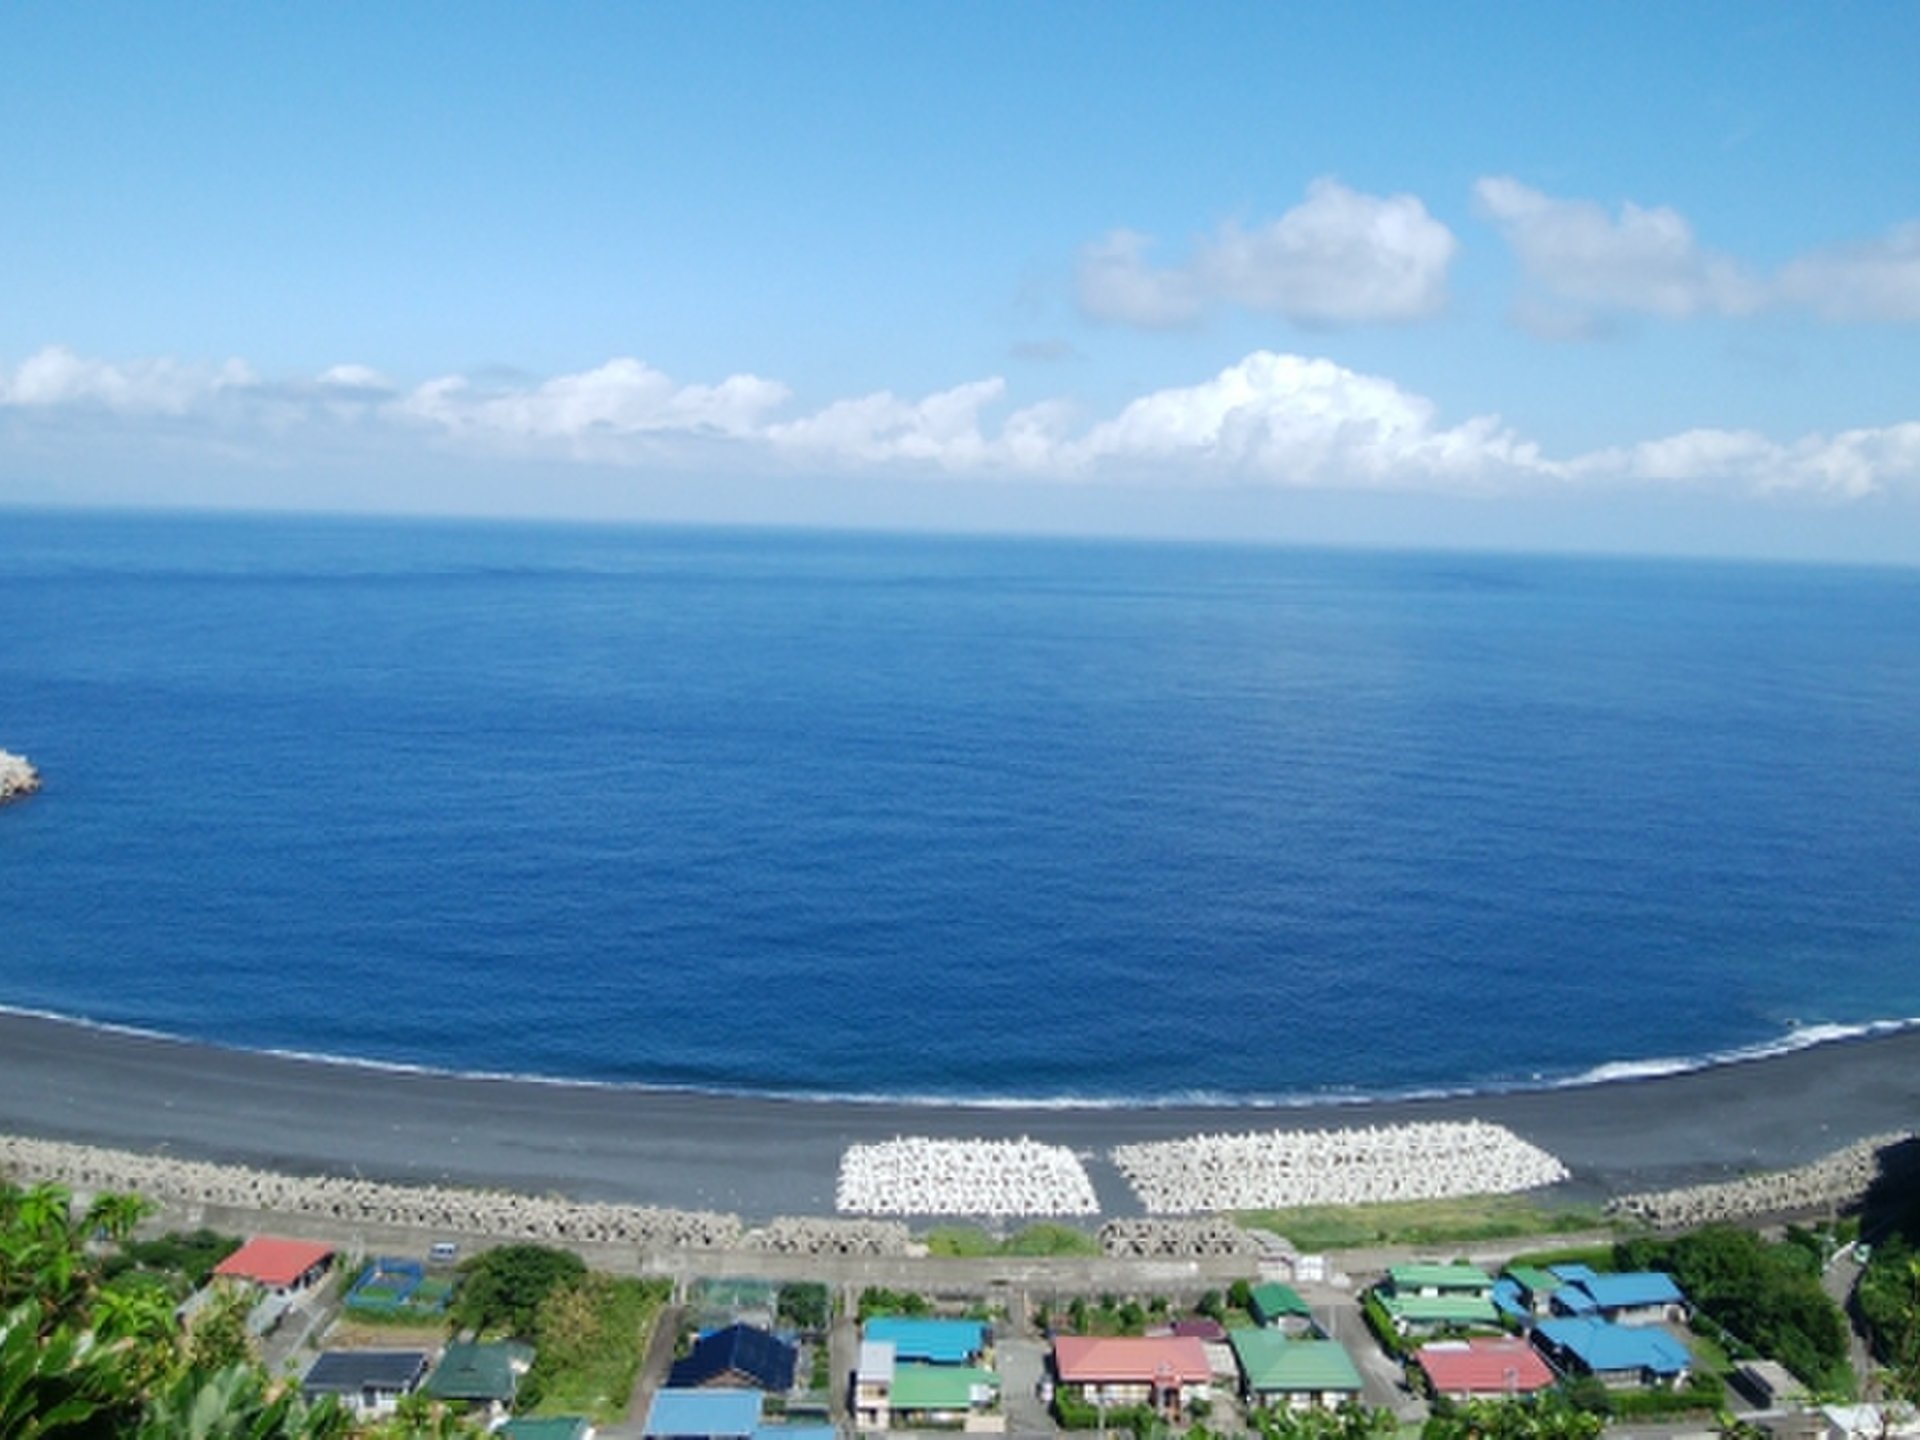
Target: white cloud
point(944, 428)
point(623, 397)
point(1339, 257)
point(1583, 264)
point(1295, 421)
point(1117, 284)
point(1876, 280)
point(56, 377)
point(1271, 420)
point(1642, 260)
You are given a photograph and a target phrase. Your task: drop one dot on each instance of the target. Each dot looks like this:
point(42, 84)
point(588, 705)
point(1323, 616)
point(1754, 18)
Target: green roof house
point(1457, 1278)
point(480, 1376)
point(1425, 1314)
point(546, 1427)
point(1276, 1304)
point(941, 1394)
point(1295, 1374)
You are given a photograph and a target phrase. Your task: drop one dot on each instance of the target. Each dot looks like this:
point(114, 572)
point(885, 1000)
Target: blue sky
point(1618, 277)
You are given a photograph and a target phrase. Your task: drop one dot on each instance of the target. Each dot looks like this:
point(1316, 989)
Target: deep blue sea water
point(809, 813)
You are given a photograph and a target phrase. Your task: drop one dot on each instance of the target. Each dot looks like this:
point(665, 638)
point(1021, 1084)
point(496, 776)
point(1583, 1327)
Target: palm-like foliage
point(57, 1382)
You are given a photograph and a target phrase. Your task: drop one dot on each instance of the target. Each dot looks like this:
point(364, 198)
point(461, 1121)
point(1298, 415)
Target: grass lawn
point(587, 1359)
point(969, 1241)
point(1423, 1222)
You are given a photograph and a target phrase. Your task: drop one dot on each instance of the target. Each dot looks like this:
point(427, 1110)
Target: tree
point(503, 1288)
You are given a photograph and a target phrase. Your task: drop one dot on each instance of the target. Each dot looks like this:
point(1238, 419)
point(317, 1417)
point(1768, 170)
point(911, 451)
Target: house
point(736, 1357)
point(1273, 1304)
point(1428, 1314)
point(1530, 1289)
point(702, 1415)
point(1165, 1373)
point(934, 1341)
point(546, 1427)
point(1294, 1373)
point(371, 1383)
point(1454, 1278)
point(1423, 1299)
point(1484, 1368)
point(917, 1393)
point(279, 1267)
point(1617, 1355)
point(927, 1396)
point(873, 1385)
point(1636, 1297)
point(483, 1377)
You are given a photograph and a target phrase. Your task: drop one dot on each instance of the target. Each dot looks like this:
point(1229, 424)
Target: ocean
point(1026, 820)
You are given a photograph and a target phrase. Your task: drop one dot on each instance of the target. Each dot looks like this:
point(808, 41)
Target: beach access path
point(761, 1158)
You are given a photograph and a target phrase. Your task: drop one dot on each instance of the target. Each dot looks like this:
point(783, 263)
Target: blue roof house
point(1633, 1297)
point(1616, 1355)
point(937, 1342)
point(703, 1415)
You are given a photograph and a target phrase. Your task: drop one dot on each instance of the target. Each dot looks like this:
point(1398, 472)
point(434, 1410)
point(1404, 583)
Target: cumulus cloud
point(1291, 420)
point(1272, 420)
point(1340, 257)
point(1582, 264)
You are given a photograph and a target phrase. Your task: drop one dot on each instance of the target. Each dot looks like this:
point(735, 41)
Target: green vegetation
point(1423, 1222)
point(1767, 1296)
point(1889, 1299)
point(806, 1305)
point(589, 1334)
point(182, 1261)
point(1349, 1422)
point(501, 1291)
point(1550, 1417)
point(880, 1301)
point(971, 1242)
point(85, 1359)
point(1115, 1315)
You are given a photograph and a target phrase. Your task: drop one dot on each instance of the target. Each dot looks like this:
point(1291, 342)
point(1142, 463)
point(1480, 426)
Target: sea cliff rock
point(17, 777)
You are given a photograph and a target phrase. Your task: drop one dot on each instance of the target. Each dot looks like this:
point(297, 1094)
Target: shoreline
point(765, 1157)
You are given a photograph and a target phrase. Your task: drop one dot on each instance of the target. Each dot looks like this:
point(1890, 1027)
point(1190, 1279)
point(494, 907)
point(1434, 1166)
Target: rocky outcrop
point(1836, 1181)
point(17, 777)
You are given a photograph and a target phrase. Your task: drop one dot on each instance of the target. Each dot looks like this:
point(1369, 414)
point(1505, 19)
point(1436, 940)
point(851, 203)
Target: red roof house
point(1483, 1368)
point(1164, 1371)
point(277, 1264)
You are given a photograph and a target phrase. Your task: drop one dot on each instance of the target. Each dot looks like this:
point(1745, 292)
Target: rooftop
point(729, 1413)
point(348, 1372)
point(944, 1342)
point(941, 1387)
point(1272, 1362)
point(1485, 1366)
point(271, 1261)
point(1137, 1359)
point(1603, 1347)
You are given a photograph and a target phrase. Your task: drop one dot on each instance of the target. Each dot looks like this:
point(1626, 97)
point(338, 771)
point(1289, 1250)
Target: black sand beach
point(761, 1157)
